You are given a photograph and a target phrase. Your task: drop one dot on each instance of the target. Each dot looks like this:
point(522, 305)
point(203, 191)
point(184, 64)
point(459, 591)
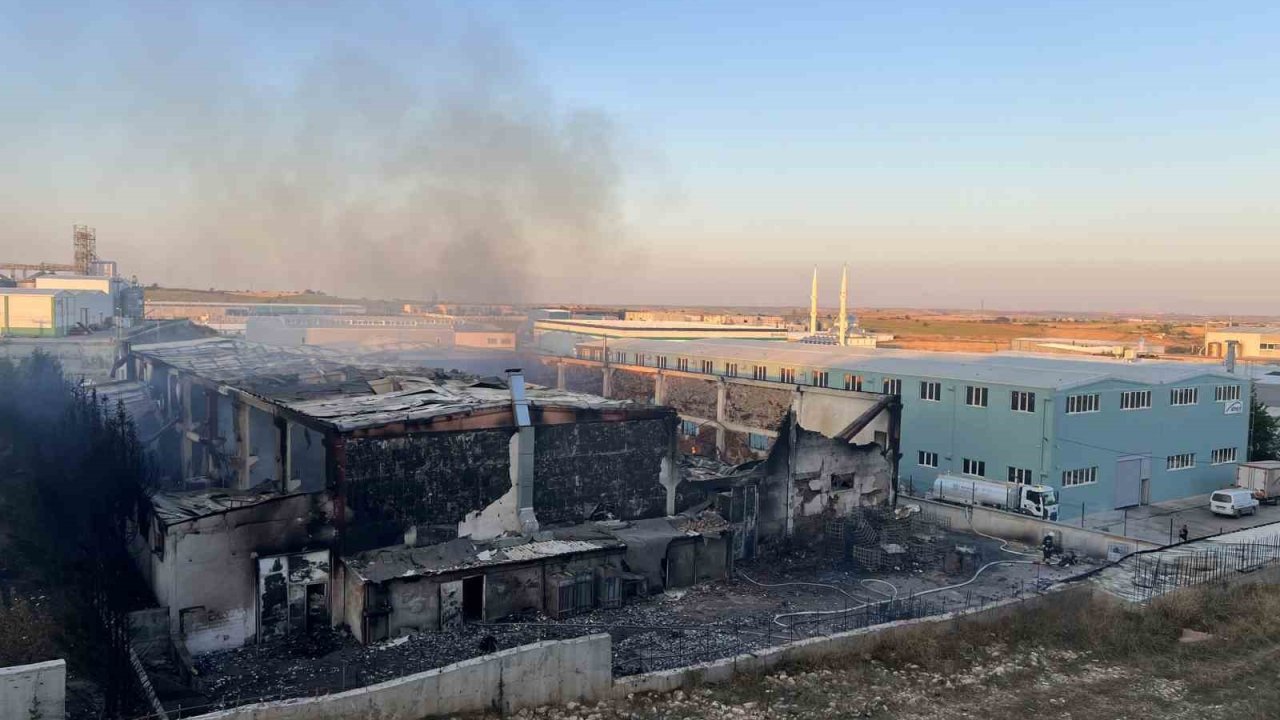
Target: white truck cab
point(1233, 502)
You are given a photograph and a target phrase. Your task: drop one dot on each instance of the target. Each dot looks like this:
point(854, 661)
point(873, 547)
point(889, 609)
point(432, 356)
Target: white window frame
point(1223, 456)
point(682, 364)
point(1130, 399)
point(1023, 401)
point(1184, 396)
point(973, 468)
point(891, 386)
point(1226, 393)
point(820, 378)
point(976, 396)
point(927, 459)
point(709, 367)
point(759, 372)
point(1179, 462)
point(1086, 403)
point(787, 375)
point(1080, 476)
point(1021, 476)
point(853, 382)
point(931, 391)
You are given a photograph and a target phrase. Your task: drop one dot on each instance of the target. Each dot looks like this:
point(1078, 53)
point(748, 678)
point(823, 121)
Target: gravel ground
point(669, 630)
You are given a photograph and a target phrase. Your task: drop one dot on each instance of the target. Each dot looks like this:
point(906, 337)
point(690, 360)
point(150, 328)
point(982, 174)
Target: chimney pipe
point(522, 452)
point(813, 303)
point(1230, 362)
point(844, 304)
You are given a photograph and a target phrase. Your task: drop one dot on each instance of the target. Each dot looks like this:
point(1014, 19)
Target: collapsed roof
point(340, 393)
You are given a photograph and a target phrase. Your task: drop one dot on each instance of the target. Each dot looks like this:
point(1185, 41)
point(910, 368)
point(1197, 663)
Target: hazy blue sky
point(1081, 155)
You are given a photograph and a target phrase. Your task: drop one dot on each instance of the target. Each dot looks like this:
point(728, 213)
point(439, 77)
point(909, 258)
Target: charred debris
point(302, 491)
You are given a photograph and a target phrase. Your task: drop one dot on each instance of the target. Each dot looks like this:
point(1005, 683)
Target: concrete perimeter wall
point(553, 672)
point(34, 692)
point(1031, 531)
point(811, 649)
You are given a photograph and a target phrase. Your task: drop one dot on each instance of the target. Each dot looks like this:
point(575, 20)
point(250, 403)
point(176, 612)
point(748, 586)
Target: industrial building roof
point(138, 404)
point(465, 554)
point(421, 399)
point(1006, 368)
point(33, 291)
point(177, 507)
point(344, 394)
point(267, 370)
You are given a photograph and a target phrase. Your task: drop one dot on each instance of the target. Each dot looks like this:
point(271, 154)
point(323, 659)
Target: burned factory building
point(280, 465)
point(776, 461)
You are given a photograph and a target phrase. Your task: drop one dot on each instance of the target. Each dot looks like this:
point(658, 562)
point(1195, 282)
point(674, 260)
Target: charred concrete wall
point(632, 385)
point(306, 459)
point(691, 396)
point(204, 570)
point(756, 406)
point(435, 479)
point(582, 470)
point(583, 379)
point(413, 603)
point(830, 476)
point(427, 479)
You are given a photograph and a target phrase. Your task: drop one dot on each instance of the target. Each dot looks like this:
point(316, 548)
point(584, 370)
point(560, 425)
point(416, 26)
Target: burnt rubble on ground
point(663, 631)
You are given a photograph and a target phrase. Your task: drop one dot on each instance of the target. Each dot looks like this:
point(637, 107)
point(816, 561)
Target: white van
point(1233, 502)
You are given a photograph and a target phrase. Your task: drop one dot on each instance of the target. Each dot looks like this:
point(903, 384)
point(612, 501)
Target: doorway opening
point(473, 598)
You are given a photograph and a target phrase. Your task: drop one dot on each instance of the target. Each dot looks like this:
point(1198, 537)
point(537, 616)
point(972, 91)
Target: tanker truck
point(1039, 501)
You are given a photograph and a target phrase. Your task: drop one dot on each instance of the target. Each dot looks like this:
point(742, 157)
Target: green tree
point(1264, 433)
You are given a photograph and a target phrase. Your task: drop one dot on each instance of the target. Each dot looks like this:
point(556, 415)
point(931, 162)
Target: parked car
point(1233, 502)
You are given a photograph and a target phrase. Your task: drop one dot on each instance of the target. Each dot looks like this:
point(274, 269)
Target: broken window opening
point(842, 481)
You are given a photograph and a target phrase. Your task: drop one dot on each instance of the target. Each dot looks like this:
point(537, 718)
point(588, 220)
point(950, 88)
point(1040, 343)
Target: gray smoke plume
point(450, 174)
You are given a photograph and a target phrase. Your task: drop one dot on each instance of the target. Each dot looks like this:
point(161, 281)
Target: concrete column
point(242, 445)
point(606, 383)
point(559, 375)
point(282, 454)
point(184, 397)
point(722, 396)
point(659, 387)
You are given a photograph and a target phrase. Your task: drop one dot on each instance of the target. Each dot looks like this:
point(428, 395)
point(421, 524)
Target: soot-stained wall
point(580, 469)
point(756, 406)
point(692, 396)
point(631, 385)
point(426, 479)
point(584, 469)
point(583, 379)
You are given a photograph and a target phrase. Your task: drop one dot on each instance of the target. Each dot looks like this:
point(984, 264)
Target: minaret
point(813, 304)
point(844, 305)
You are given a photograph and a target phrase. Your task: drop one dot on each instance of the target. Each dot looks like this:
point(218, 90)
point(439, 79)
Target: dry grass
point(1070, 657)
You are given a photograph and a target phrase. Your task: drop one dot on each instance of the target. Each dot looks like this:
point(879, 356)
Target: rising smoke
point(435, 168)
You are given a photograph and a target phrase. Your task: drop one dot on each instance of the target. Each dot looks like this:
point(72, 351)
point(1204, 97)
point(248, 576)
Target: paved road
point(1160, 522)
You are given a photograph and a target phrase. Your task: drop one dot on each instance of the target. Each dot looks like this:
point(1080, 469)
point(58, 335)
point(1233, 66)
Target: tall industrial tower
point(813, 303)
point(84, 240)
point(843, 327)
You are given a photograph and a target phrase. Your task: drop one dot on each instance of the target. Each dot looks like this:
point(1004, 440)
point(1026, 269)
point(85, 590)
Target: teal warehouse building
point(1108, 434)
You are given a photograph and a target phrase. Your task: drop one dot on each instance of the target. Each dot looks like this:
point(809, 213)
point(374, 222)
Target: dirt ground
point(990, 332)
point(1096, 661)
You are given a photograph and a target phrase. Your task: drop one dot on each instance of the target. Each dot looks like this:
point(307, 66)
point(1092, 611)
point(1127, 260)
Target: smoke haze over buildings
point(448, 172)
